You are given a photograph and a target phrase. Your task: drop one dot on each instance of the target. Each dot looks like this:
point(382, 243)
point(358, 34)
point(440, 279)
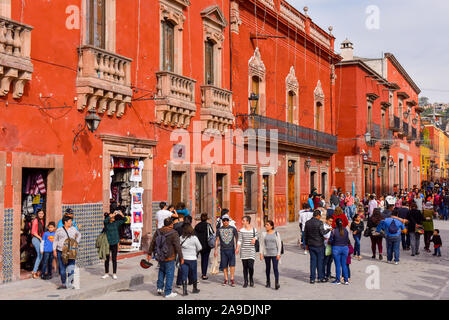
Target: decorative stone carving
point(216, 109)
point(256, 65)
point(293, 16)
point(235, 17)
point(175, 103)
point(104, 81)
point(291, 83)
point(172, 14)
point(15, 63)
point(318, 93)
point(333, 74)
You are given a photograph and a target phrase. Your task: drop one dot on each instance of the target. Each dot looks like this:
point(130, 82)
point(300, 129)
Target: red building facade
point(379, 148)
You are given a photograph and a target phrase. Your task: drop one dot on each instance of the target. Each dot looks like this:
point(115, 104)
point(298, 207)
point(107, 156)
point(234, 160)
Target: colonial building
point(377, 124)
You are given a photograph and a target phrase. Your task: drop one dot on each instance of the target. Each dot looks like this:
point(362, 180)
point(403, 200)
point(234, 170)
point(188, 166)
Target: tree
point(423, 101)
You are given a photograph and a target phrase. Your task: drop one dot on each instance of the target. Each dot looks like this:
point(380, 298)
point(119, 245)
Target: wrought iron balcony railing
point(289, 132)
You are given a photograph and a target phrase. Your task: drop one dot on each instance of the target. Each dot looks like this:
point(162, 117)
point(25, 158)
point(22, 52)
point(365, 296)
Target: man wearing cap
point(227, 237)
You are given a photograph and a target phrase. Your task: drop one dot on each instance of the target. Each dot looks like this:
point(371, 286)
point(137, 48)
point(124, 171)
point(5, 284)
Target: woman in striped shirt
point(246, 245)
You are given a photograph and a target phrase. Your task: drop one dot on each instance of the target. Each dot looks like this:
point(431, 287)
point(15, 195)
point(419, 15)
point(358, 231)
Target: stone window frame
point(292, 85)
point(319, 97)
point(214, 24)
point(110, 28)
point(172, 10)
point(256, 68)
point(254, 188)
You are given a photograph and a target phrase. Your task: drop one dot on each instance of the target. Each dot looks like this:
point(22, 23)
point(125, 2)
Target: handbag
point(282, 244)
point(328, 251)
point(419, 228)
point(211, 238)
point(257, 244)
point(367, 232)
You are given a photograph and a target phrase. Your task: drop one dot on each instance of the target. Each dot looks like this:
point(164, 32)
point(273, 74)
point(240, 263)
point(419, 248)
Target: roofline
point(404, 73)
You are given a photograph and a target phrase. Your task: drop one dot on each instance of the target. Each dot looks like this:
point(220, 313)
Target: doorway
point(291, 191)
point(312, 180)
point(266, 197)
point(323, 184)
point(177, 184)
point(401, 168)
point(33, 199)
point(220, 184)
point(200, 193)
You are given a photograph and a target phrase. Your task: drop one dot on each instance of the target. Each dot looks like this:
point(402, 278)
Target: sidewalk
point(129, 274)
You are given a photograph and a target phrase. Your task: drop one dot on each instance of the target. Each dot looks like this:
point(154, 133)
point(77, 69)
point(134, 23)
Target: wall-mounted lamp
point(308, 163)
point(253, 101)
point(91, 122)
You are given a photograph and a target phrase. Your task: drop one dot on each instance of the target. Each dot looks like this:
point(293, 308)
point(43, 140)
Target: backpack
point(69, 249)
point(161, 246)
point(393, 228)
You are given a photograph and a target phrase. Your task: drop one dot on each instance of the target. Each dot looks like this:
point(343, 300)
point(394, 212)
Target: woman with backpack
point(190, 246)
point(37, 231)
point(270, 250)
point(376, 239)
point(204, 231)
point(339, 240)
point(112, 225)
point(247, 246)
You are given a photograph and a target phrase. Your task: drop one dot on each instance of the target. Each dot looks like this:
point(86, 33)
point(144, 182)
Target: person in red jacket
point(338, 214)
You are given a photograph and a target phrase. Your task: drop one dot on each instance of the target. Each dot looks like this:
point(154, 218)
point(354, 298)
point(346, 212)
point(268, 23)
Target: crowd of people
point(400, 218)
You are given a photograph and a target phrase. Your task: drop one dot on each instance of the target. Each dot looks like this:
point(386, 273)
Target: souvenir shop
point(34, 198)
point(126, 194)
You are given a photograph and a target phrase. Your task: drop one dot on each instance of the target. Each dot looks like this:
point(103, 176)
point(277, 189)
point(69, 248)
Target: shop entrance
point(33, 199)
point(177, 184)
point(126, 196)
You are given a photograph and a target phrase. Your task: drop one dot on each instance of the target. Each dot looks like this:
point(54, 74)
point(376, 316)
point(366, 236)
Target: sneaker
point(204, 277)
point(105, 276)
point(62, 287)
point(232, 283)
point(312, 281)
point(171, 295)
point(225, 282)
point(160, 291)
point(336, 282)
point(396, 262)
point(380, 257)
point(346, 283)
point(373, 257)
point(114, 276)
point(306, 252)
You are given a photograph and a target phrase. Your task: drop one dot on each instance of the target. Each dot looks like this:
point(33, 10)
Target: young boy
point(436, 239)
point(47, 251)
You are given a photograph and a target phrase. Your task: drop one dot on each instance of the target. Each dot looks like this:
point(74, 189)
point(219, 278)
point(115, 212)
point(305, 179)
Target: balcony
point(15, 62)
point(175, 99)
point(387, 139)
point(405, 130)
point(216, 108)
point(290, 134)
point(395, 125)
point(414, 134)
point(374, 130)
point(104, 81)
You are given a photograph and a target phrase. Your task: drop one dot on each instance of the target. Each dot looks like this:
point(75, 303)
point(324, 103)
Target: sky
point(415, 31)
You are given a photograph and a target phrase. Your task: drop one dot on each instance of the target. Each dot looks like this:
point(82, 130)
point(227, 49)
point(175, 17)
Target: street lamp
point(367, 137)
point(253, 100)
point(92, 121)
point(308, 162)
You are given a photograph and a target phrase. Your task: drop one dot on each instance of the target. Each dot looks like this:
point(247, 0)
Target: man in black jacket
point(314, 238)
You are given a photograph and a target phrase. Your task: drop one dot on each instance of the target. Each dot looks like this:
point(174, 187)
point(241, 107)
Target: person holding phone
point(112, 225)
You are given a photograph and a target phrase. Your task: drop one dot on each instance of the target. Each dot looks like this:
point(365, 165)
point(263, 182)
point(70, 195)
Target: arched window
point(255, 86)
point(318, 116)
point(290, 106)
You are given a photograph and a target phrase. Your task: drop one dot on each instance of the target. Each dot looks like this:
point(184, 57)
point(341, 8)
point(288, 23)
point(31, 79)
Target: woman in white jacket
point(190, 246)
point(270, 250)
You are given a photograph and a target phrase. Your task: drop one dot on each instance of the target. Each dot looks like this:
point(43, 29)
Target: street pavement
point(420, 277)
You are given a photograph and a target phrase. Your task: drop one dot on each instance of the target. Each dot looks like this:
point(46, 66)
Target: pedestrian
point(372, 204)
point(310, 201)
point(387, 212)
point(314, 240)
point(181, 208)
point(376, 238)
point(178, 223)
point(415, 220)
point(338, 214)
point(437, 243)
point(37, 231)
point(270, 251)
point(61, 235)
point(304, 216)
point(446, 206)
point(419, 202)
point(47, 251)
point(357, 227)
point(339, 240)
point(69, 213)
point(227, 237)
point(392, 228)
point(203, 230)
point(190, 246)
point(112, 224)
point(246, 246)
point(428, 214)
point(405, 236)
point(348, 260)
point(162, 214)
point(224, 212)
point(349, 203)
point(334, 200)
point(327, 263)
point(166, 246)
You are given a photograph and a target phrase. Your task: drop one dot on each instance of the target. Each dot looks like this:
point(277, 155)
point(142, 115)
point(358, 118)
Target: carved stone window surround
point(256, 67)
point(292, 85)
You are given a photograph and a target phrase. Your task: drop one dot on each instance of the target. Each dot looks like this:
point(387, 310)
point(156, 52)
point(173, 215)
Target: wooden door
point(176, 188)
point(291, 197)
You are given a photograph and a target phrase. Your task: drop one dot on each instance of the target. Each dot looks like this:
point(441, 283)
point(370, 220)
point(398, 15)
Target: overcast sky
point(415, 31)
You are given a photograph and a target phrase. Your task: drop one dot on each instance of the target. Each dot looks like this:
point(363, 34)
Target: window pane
point(248, 190)
point(167, 46)
point(255, 89)
point(209, 61)
point(96, 23)
point(290, 106)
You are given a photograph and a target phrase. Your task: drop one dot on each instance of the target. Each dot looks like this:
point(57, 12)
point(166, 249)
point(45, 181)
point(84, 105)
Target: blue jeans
point(316, 262)
point(340, 255)
point(393, 246)
point(37, 246)
point(327, 266)
point(445, 212)
point(63, 268)
point(204, 260)
point(167, 273)
point(268, 262)
point(47, 263)
point(189, 270)
point(350, 212)
point(357, 237)
point(437, 251)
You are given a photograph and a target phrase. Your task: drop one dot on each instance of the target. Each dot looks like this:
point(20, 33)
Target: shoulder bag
point(257, 244)
point(211, 238)
point(282, 244)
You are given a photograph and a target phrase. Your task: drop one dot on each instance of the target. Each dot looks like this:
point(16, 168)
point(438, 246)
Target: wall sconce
point(308, 162)
point(253, 101)
point(367, 137)
point(91, 123)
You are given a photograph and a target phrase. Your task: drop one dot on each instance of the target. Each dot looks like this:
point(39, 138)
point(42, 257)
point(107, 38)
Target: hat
point(428, 205)
point(225, 217)
point(68, 211)
point(145, 264)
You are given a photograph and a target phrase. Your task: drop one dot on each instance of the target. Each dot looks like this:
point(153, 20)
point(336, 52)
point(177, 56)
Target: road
point(419, 277)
